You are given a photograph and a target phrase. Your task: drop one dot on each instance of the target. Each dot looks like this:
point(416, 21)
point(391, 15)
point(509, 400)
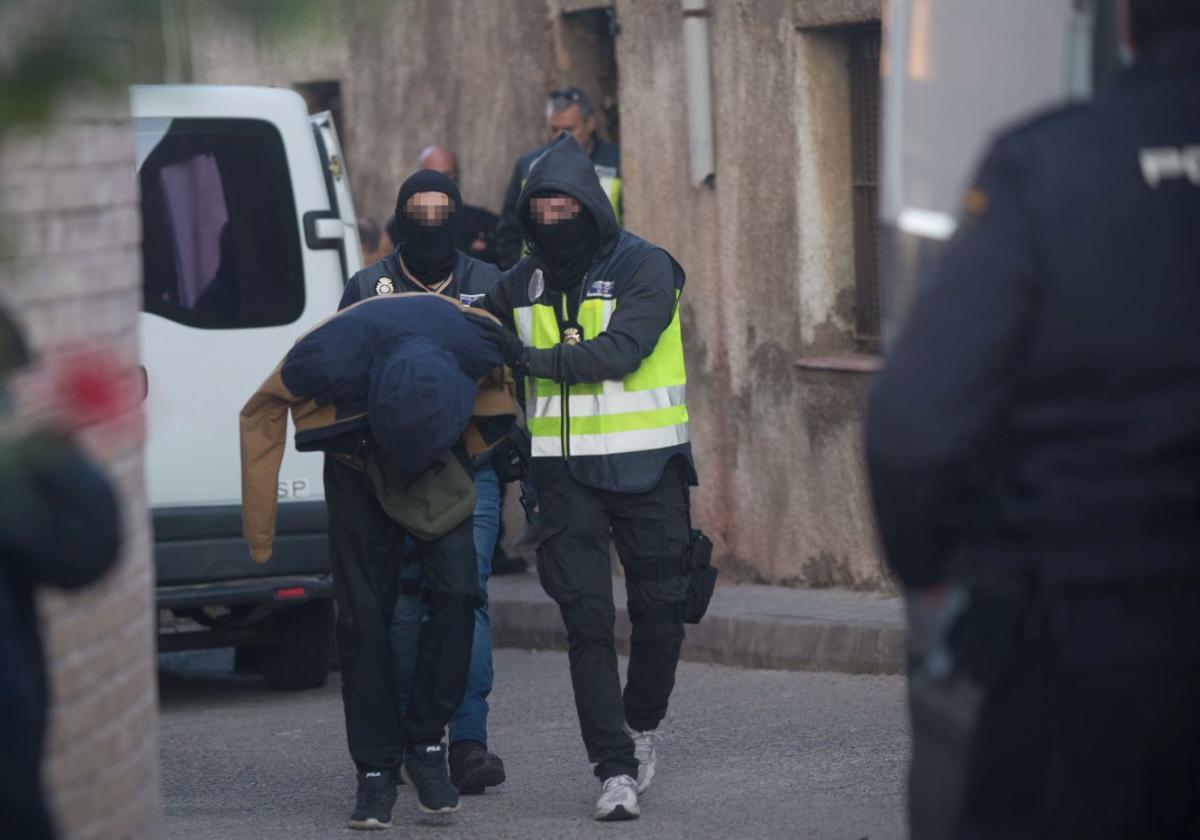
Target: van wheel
point(300, 657)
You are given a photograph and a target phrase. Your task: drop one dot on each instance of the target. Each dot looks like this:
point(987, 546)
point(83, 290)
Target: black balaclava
point(428, 247)
point(566, 247)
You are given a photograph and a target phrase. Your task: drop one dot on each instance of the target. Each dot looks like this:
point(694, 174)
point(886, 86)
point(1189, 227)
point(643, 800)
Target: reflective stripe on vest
point(646, 410)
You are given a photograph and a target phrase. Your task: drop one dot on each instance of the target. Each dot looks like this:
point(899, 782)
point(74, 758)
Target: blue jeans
point(470, 721)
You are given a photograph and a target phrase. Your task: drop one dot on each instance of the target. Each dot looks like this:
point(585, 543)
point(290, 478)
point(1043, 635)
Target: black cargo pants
point(652, 532)
point(366, 553)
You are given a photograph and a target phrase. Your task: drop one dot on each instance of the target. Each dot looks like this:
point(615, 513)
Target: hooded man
point(568, 110)
point(432, 687)
point(596, 310)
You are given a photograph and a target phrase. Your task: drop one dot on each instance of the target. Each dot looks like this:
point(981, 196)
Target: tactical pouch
point(702, 578)
point(430, 504)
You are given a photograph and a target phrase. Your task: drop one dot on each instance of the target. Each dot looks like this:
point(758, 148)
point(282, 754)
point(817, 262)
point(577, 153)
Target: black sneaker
point(473, 768)
point(373, 804)
point(425, 770)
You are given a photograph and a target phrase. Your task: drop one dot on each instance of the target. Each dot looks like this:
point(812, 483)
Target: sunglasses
point(571, 94)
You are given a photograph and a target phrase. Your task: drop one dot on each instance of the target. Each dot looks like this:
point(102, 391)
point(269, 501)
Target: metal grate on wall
point(865, 105)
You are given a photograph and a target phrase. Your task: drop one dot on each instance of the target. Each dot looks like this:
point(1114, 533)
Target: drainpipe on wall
point(697, 70)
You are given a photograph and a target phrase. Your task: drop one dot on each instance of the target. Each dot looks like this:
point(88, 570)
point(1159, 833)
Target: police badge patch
point(384, 286)
point(537, 285)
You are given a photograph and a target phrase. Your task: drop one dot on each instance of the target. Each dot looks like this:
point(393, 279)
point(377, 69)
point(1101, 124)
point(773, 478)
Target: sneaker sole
point(437, 812)
point(644, 785)
point(618, 814)
point(371, 824)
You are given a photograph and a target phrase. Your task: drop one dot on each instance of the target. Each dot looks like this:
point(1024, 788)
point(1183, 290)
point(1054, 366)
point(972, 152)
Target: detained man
point(397, 712)
point(428, 225)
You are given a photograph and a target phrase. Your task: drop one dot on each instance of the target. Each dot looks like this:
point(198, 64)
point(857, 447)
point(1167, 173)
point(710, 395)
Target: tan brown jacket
point(263, 431)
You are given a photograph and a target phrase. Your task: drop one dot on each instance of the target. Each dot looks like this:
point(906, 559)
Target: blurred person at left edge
point(60, 527)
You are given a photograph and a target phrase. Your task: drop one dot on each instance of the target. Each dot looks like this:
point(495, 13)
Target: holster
point(702, 577)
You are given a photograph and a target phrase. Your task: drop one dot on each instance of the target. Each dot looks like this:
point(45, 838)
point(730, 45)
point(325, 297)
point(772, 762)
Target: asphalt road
point(744, 754)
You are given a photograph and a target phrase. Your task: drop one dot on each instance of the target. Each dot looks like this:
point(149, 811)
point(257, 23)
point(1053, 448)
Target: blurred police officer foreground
point(1034, 450)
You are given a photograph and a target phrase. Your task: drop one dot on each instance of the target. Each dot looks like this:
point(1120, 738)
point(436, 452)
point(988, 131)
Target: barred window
point(865, 109)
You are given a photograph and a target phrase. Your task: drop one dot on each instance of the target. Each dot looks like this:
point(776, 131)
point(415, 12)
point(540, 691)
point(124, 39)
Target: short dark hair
point(368, 233)
point(563, 98)
point(1151, 19)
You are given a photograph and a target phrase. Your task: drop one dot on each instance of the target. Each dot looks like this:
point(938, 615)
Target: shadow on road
point(206, 679)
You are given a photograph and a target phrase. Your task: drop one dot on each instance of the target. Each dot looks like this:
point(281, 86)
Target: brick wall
point(70, 271)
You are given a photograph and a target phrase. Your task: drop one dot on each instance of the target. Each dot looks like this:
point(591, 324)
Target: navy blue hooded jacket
point(405, 373)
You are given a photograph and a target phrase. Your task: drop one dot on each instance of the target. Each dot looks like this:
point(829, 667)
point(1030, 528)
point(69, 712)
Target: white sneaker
point(618, 800)
point(643, 751)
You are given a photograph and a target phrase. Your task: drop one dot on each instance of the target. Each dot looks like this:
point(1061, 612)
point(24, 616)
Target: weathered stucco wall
point(462, 73)
point(770, 266)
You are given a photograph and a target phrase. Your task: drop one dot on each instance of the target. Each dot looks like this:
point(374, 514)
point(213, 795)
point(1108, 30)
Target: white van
point(248, 237)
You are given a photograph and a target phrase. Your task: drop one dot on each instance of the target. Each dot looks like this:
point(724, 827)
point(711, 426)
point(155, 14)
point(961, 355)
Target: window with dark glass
point(865, 101)
point(220, 241)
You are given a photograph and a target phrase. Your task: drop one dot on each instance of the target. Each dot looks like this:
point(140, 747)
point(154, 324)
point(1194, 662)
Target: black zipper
point(565, 389)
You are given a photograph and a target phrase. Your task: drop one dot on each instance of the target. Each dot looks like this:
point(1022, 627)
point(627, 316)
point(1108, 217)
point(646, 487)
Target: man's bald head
point(439, 159)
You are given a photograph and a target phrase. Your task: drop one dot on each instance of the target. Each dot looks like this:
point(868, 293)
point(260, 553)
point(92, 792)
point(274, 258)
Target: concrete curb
point(799, 639)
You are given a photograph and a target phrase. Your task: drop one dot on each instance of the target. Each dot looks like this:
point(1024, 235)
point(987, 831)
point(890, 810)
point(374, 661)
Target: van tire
point(300, 656)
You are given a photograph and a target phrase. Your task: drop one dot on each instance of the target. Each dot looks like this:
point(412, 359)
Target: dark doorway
point(589, 51)
point(324, 95)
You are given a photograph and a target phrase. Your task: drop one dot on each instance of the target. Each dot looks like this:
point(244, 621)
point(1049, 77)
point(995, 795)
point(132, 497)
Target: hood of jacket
point(410, 367)
point(565, 167)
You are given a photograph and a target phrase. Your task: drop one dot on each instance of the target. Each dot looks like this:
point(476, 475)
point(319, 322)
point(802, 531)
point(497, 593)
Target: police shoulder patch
point(384, 286)
point(600, 289)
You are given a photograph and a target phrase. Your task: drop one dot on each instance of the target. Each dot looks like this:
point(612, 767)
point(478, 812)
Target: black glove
point(514, 353)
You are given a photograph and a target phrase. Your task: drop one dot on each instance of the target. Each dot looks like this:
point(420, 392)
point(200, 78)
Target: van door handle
point(323, 230)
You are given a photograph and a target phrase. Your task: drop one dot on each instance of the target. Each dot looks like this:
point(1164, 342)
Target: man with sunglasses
point(568, 109)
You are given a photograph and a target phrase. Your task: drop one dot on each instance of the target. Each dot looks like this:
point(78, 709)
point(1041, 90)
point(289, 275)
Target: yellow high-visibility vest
point(647, 410)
